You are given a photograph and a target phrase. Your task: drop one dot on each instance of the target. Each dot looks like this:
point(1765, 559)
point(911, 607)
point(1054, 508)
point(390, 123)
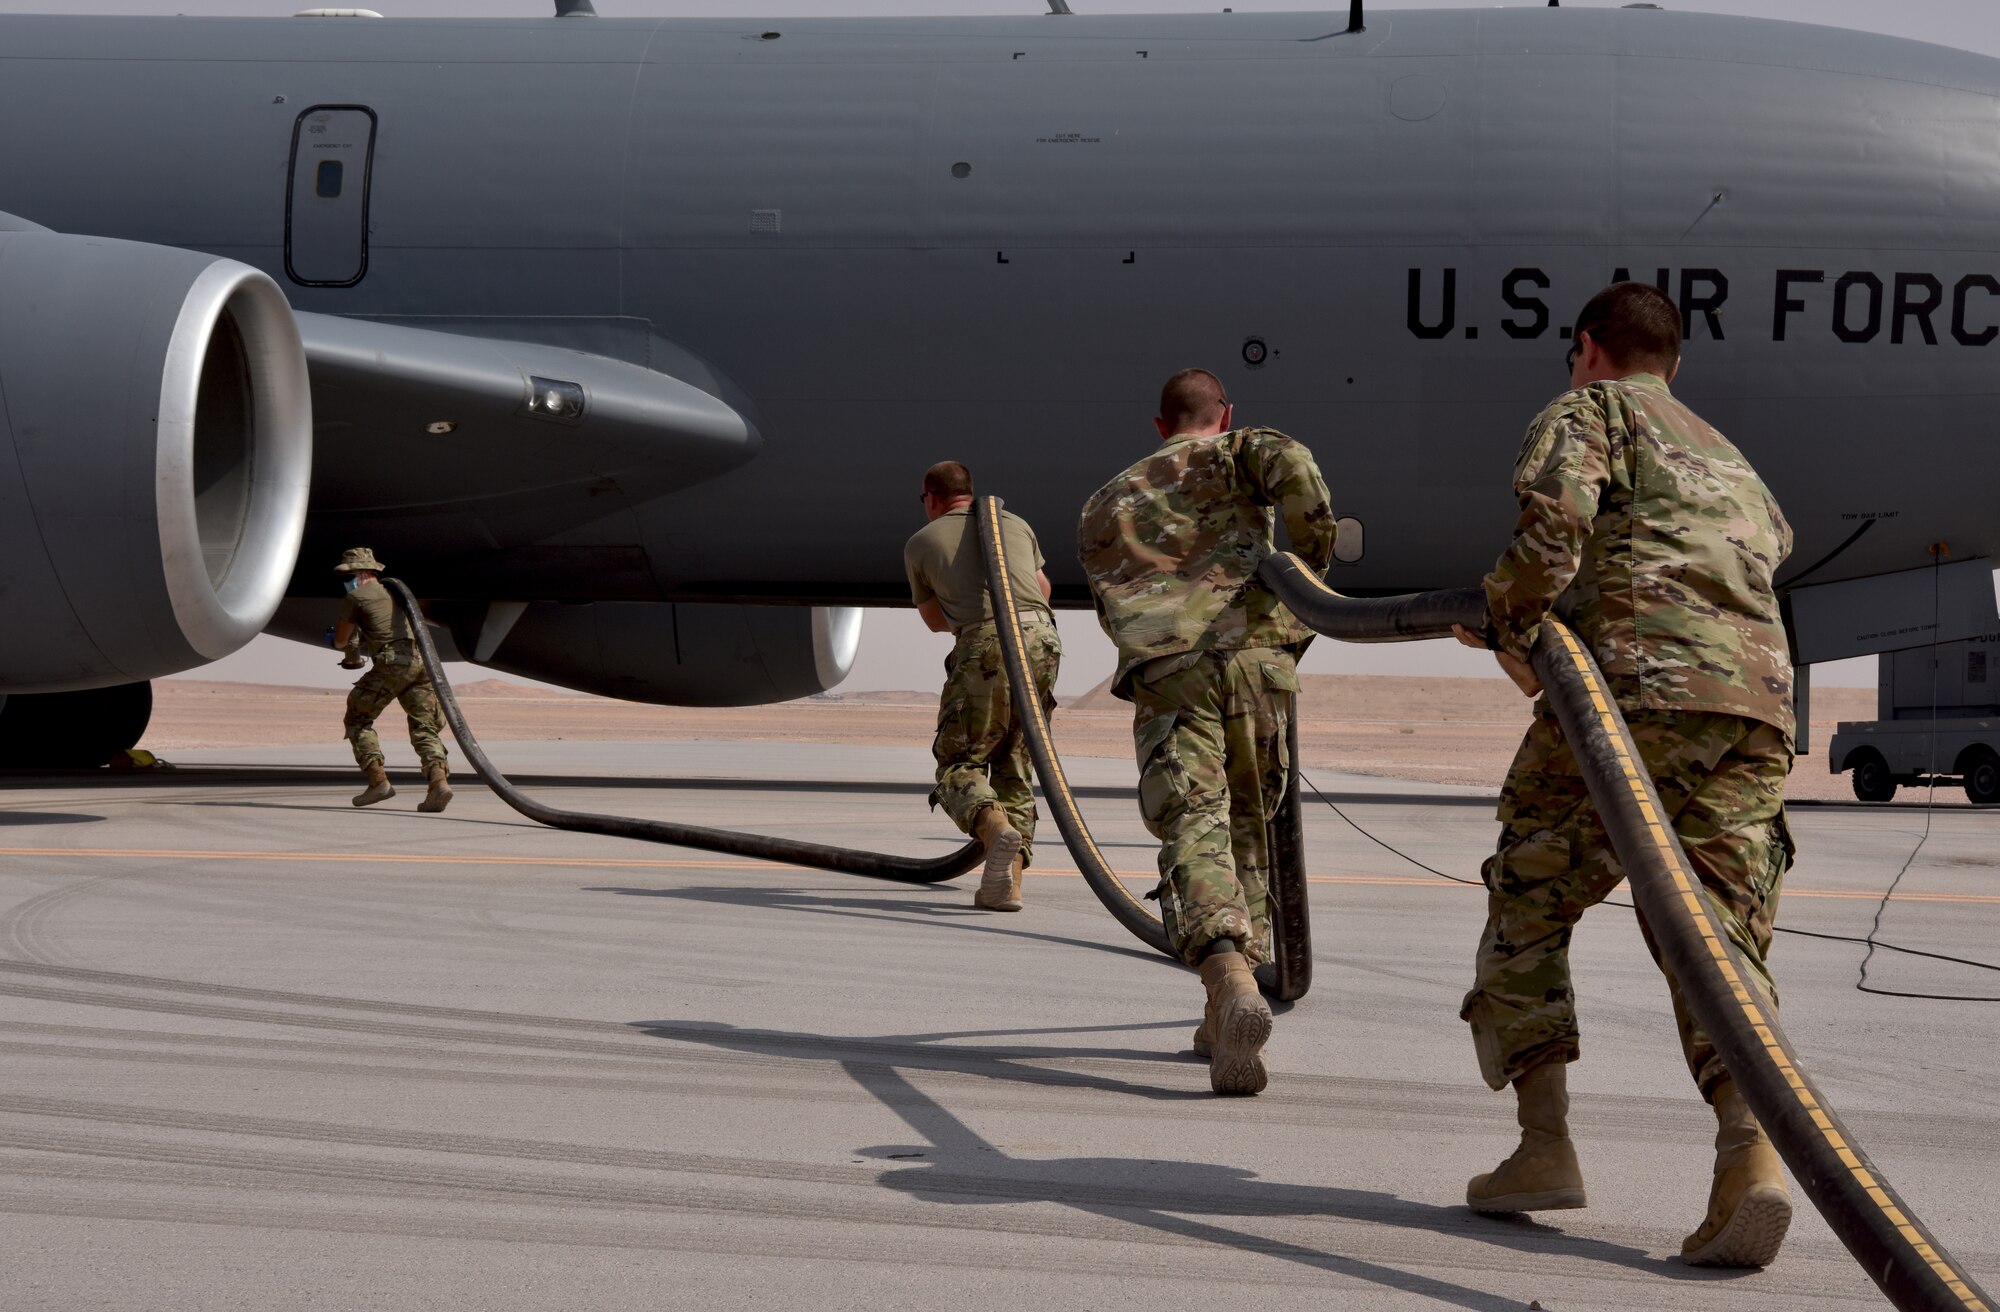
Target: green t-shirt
point(384, 629)
point(943, 560)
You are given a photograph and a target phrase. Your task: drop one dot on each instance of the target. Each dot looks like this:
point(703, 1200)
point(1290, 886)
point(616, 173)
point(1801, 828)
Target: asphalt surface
point(258, 1049)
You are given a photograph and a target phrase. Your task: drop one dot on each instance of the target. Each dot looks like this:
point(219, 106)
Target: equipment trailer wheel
point(1982, 775)
point(1872, 780)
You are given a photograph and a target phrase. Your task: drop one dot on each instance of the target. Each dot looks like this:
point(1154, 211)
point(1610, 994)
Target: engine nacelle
point(671, 655)
point(703, 654)
point(679, 655)
point(155, 454)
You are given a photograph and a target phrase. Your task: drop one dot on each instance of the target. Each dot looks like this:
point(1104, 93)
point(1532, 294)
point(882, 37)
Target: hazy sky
point(1968, 24)
point(896, 651)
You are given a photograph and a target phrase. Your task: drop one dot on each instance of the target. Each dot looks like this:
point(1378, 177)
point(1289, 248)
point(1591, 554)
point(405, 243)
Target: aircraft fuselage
point(890, 242)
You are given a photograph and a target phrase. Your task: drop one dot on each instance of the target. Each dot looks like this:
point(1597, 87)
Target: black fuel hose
point(820, 856)
point(1406, 618)
point(1290, 973)
point(1891, 1244)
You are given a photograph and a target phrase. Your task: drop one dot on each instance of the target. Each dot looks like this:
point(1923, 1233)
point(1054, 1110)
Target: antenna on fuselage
point(1354, 23)
point(1060, 7)
point(574, 9)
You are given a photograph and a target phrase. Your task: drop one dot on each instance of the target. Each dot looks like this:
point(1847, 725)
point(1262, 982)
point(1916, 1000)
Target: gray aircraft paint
point(781, 222)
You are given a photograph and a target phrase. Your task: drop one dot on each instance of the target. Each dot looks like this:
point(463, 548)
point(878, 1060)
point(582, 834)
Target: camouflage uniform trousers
point(1209, 731)
point(1721, 779)
point(981, 751)
point(395, 681)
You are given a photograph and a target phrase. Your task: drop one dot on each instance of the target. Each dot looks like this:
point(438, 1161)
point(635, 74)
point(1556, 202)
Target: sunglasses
point(1575, 350)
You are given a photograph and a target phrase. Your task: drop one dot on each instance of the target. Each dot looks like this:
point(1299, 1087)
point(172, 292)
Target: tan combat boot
point(439, 795)
point(1014, 874)
point(1003, 848)
point(1240, 1027)
point(378, 790)
point(1542, 1175)
point(1203, 1042)
point(1749, 1208)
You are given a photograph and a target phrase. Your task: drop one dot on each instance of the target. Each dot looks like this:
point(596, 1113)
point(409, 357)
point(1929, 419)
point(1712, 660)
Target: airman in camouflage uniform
point(398, 675)
point(1207, 656)
point(1651, 536)
point(984, 774)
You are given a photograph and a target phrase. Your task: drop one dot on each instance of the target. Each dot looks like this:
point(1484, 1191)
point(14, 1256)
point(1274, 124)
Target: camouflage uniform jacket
point(1649, 534)
point(1171, 546)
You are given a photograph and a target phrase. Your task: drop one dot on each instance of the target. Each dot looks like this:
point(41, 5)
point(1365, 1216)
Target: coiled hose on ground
point(1289, 974)
point(1892, 1245)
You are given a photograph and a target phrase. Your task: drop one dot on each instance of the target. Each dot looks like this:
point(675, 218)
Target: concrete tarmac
point(264, 1050)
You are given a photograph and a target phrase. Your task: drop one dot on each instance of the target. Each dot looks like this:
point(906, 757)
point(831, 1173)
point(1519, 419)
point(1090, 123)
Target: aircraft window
point(1349, 542)
point(326, 181)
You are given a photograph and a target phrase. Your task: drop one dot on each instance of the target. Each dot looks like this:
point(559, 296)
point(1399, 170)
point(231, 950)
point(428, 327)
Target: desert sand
point(1434, 730)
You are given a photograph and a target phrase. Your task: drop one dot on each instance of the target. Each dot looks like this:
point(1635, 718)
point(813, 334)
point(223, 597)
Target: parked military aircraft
point(627, 339)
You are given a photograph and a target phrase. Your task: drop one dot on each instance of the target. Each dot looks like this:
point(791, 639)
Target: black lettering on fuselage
point(1908, 307)
point(1959, 295)
point(1448, 316)
point(1787, 304)
point(1842, 320)
point(1510, 293)
point(1911, 304)
point(1706, 306)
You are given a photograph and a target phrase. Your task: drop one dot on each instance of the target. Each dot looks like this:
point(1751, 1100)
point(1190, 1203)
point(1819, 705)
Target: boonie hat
point(358, 558)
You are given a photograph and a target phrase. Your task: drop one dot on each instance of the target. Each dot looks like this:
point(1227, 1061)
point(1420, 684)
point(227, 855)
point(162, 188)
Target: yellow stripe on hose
point(1704, 922)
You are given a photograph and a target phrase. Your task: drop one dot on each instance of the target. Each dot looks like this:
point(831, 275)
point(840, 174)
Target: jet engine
point(155, 454)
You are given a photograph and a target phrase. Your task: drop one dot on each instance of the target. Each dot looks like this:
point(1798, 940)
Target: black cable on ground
point(1930, 794)
point(820, 856)
point(1930, 803)
point(1870, 942)
point(1892, 1246)
point(1291, 972)
point(1394, 851)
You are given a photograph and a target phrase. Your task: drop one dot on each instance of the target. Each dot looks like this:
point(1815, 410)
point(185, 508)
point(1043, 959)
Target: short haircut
point(948, 478)
point(1192, 398)
point(1636, 325)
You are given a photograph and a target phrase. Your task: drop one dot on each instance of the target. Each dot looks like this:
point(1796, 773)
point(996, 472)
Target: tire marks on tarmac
point(89, 1158)
point(695, 1059)
point(1075, 1219)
